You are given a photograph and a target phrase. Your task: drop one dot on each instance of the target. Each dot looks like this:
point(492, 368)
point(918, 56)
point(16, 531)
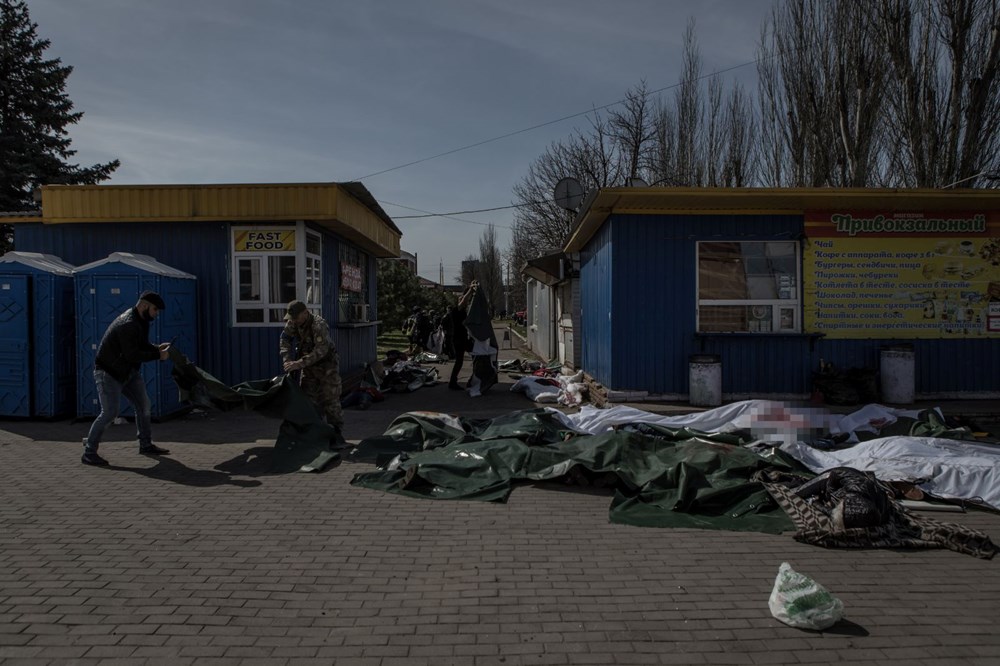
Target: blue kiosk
point(110, 286)
point(37, 360)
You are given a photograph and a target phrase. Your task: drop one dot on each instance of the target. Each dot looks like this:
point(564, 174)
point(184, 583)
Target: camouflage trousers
point(322, 386)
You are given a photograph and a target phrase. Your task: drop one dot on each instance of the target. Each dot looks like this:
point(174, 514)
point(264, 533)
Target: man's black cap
point(295, 308)
point(153, 298)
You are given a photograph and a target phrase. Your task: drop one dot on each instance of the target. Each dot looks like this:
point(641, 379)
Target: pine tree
point(34, 114)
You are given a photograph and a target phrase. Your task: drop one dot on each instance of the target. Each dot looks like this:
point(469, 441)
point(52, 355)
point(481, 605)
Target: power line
point(545, 124)
point(460, 212)
point(448, 215)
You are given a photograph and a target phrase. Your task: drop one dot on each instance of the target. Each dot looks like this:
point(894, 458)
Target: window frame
point(776, 304)
point(303, 273)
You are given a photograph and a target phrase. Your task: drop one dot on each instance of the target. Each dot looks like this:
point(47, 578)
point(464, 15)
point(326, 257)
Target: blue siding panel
point(331, 271)
point(232, 355)
point(595, 307)
point(356, 344)
point(655, 307)
point(765, 364)
point(356, 347)
point(940, 366)
point(654, 304)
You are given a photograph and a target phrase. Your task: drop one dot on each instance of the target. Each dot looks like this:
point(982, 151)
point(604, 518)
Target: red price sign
point(350, 277)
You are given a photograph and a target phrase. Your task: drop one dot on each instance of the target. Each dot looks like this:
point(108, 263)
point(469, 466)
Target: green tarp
point(305, 442)
point(928, 423)
point(662, 477)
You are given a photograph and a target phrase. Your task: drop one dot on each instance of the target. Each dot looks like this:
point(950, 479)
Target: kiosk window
point(749, 286)
point(270, 269)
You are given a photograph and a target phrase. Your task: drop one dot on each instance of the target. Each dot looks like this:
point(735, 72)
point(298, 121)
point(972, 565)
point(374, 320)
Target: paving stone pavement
point(204, 558)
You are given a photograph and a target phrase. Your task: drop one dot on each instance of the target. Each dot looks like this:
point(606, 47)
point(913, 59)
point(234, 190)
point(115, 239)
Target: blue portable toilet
point(110, 286)
point(37, 328)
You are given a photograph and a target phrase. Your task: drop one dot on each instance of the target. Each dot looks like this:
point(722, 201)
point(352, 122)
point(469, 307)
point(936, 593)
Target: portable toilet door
point(107, 288)
point(37, 359)
point(15, 365)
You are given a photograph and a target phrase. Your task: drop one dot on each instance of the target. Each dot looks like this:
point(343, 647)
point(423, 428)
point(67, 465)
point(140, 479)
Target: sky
point(286, 91)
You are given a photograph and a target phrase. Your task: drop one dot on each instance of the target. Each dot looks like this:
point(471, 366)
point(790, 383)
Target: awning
point(347, 209)
point(547, 270)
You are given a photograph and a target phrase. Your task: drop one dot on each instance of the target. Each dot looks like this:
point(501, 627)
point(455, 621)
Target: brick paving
point(203, 558)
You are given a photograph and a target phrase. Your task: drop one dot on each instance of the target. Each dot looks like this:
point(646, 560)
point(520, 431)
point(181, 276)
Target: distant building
point(409, 259)
point(446, 288)
point(470, 270)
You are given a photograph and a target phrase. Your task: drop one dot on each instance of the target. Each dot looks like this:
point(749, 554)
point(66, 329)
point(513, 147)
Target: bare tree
point(633, 131)
point(801, 57)
point(692, 139)
point(517, 255)
point(859, 79)
point(689, 165)
point(715, 154)
point(943, 101)
point(775, 140)
point(491, 268)
point(889, 92)
point(740, 168)
point(540, 224)
point(663, 161)
point(644, 138)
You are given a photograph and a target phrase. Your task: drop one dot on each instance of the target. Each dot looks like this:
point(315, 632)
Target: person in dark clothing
point(421, 331)
point(123, 349)
point(460, 341)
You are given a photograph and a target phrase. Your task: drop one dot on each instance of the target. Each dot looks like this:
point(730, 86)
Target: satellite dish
point(637, 182)
point(568, 193)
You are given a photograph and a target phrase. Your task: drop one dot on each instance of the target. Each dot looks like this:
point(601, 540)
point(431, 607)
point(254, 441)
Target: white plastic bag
point(799, 601)
point(435, 343)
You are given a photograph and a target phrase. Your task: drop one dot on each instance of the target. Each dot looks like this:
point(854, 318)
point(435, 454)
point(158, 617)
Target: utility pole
point(506, 290)
point(441, 271)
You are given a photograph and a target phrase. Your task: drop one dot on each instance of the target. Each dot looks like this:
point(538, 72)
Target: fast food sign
point(281, 239)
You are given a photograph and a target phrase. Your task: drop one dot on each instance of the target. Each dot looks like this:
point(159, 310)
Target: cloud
point(190, 91)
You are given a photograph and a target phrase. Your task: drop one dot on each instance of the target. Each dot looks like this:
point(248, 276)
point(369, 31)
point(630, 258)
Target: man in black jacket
point(123, 349)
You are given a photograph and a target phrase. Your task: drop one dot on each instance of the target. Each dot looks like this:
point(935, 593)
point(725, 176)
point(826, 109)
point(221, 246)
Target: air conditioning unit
point(359, 312)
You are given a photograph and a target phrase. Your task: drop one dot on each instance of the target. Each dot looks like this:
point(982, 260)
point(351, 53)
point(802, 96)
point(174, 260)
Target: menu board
point(902, 275)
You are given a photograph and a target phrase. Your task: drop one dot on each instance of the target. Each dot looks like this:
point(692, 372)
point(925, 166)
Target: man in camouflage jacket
point(318, 360)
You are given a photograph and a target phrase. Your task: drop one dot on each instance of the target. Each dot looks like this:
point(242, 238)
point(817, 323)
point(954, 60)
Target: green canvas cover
point(304, 441)
point(927, 423)
point(662, 477)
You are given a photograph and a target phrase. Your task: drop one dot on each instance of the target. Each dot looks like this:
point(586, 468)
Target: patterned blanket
point(817, 523)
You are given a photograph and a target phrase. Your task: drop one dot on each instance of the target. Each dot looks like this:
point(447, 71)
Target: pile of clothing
point(407, 376)
point(361, 397)
point(543, 387)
